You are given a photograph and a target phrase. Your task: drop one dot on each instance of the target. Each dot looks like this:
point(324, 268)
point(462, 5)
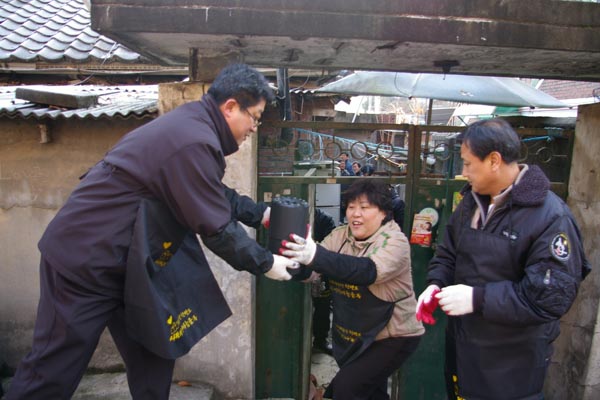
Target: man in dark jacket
point(509, 267)
point(179, 161)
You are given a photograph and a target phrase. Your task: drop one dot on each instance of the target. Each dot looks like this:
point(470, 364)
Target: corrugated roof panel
point(115, 102)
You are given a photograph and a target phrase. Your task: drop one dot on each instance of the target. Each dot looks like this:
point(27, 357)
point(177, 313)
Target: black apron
point(358, 316)
point(172, 299)
point(486, 360)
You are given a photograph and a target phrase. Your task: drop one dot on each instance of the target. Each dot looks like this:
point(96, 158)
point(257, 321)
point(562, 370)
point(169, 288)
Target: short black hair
point(243, 83)
point(357, 163)
point(377, 192)
point(485, 136)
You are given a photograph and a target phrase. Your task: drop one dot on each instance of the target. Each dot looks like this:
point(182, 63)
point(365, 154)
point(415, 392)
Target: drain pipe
point(285, 102)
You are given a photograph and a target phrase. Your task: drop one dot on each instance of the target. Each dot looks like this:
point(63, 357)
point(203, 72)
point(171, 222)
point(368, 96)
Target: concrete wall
point(575, 370)
point(35, 180)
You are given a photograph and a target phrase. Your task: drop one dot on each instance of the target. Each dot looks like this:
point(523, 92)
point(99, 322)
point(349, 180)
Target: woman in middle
point(368, 266)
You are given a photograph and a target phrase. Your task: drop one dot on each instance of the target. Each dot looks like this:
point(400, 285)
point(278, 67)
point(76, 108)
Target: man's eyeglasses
point(255, 120)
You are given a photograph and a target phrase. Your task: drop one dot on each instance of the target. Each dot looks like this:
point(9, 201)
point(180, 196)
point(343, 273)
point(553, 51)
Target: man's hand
point(266, 219)
point(426, 304)
point(279, 271)
point(299, 249)
point(456, 299)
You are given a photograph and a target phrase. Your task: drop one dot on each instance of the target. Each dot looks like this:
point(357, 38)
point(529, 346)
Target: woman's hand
point(299, 249)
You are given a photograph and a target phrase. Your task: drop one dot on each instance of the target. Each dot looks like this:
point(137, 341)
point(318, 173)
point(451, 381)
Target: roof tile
point(49, 54)
point(23, 54)
point(32, 45)
point(55, 30)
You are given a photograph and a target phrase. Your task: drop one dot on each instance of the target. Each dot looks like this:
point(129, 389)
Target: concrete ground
point(113, 386)
point(324, 368)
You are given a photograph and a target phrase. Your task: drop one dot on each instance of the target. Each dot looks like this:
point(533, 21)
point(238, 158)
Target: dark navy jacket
point(178, 159)
point(525, 263)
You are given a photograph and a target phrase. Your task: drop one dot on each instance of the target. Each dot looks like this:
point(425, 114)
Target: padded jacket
point(525, 261)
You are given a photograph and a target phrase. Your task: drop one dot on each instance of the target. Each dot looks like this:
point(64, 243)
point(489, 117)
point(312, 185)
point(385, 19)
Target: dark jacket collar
point(228, 143)
point(532, 189)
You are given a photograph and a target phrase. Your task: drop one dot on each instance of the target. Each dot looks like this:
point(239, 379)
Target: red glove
point(427, 305)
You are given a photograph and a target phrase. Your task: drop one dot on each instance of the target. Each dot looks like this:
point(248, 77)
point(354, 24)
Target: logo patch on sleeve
point(559, 247)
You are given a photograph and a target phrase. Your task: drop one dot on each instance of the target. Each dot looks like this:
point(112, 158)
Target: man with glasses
point(177, 160)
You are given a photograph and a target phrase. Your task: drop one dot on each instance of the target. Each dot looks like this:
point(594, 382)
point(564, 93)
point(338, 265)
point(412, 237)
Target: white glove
point(300, 249)
point(426, 296)
point(266, 219)
point(279, 271)
point(456, 299)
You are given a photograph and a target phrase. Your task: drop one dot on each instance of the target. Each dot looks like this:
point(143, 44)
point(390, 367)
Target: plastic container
point(288, 215)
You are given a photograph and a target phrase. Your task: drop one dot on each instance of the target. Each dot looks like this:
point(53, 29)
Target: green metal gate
point(296, 156)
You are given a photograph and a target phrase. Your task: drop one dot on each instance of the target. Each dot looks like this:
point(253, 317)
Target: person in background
point(356, 168)
point(323, 225)
point(345, 164)
point(367, 170)
point(179, 160)
point(398, 206)
point(369, 269)
point(509, 268)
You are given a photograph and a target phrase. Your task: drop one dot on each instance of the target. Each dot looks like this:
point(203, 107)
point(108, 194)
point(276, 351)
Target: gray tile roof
point(113, 102)
point(55, 31)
